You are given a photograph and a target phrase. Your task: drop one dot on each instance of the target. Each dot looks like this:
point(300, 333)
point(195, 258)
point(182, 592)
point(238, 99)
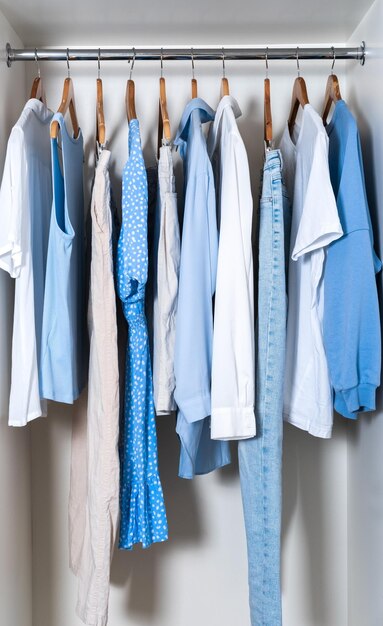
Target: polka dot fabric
point(142, 508)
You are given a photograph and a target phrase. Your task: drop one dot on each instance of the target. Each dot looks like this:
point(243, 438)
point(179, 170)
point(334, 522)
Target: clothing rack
point(169, 53)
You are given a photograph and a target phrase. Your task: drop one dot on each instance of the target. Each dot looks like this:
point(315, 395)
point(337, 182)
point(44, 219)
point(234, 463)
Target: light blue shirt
point(351, 321)
point(194, 329)
point(64, 322)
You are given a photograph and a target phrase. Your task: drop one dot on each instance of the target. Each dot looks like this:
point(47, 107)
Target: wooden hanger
point(100, 117)
point(163, 106)
point(130, 100)
point(332, 94)
point(67, 103)
point(164, 110)
point(268, 122)
point(194, 87)
point(37, 90)
point(163, 118)
point(164, 131)
point(224, 82)
point(299, 98)
point(130, 94)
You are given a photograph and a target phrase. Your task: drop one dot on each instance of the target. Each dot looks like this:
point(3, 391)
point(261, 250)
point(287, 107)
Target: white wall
point(200, 575)
point(15, 504)
point(365, 467)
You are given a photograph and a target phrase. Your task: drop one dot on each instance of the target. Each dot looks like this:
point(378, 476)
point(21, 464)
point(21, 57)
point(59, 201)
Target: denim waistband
point(271, 171)
point(273, 160)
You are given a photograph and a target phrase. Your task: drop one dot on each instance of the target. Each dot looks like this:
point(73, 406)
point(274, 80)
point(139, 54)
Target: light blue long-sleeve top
point(194, 330)
point(351, 323)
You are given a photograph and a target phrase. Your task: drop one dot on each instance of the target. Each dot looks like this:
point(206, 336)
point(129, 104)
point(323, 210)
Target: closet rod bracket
point(363, 53)
point(9, 54)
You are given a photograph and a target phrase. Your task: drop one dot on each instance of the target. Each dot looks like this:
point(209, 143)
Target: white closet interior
point(332, 550)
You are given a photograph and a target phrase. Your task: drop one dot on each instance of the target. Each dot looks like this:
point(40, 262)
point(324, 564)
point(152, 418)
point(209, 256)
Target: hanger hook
point(99, 64)
point(267, 62)
point(132, 65)
point(67, 61)
point(223, 63)
point(162, 63)
point(192, 62)
point(333, 59)
point(297, 56)
point(38, 64)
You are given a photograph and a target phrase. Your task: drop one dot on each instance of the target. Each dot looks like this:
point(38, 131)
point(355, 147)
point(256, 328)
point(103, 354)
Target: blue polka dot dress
point(142, 508)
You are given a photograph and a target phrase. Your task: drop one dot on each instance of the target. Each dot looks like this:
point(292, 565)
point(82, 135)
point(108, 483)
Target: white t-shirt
point(315, 224)
point(25, 206)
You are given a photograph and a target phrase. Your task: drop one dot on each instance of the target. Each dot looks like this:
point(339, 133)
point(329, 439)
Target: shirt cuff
point(359, 399)
point(194, 408)
point(233, 423)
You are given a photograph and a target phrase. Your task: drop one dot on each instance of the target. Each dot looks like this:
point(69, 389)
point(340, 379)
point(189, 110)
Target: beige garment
point(166, 251)
point(93, 504)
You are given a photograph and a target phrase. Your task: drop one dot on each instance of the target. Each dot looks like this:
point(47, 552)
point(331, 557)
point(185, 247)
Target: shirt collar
point(227, 102)
point(41, 109)
point(339, 105)
point(206, 115)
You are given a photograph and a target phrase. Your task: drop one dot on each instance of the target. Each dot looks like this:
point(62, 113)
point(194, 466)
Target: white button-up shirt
point(25, 213)
point(233, 363)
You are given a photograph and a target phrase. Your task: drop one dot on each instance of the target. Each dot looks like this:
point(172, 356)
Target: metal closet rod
point(257, 53)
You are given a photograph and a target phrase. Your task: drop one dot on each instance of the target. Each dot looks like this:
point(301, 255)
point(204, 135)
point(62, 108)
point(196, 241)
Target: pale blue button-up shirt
point(194, 329)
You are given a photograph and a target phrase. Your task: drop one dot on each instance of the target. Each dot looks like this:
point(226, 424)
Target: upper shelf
point(91, 22)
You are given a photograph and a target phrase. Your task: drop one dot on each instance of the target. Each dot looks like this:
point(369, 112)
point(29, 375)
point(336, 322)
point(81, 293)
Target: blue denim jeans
point(260, 458)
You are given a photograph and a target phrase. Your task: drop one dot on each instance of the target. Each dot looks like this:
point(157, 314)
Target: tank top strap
point(58, 117)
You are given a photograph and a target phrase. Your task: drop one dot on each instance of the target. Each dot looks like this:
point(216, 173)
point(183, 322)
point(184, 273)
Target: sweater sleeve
point(351, 323)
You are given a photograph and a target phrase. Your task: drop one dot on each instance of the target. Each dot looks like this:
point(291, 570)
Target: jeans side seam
point(275, 242)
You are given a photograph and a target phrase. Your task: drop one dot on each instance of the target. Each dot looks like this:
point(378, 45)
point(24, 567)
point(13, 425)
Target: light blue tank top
point(62, 373)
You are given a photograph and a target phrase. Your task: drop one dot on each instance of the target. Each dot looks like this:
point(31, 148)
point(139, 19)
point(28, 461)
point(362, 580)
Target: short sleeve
point(12, 201)
point(319, 224)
